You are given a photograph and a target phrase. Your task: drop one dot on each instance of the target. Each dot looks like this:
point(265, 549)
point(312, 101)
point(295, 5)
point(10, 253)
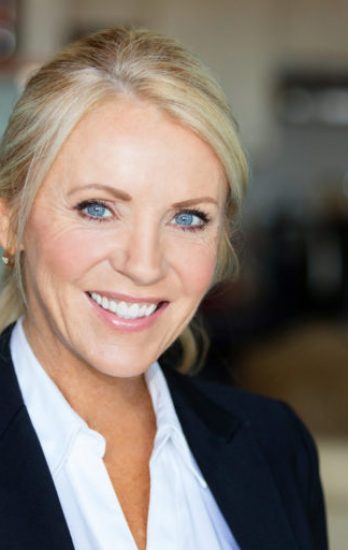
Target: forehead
point(133, 141)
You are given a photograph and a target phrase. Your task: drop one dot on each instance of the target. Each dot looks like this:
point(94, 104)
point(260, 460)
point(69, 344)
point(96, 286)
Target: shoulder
point(285, 443)
point(256, 411)
point(273, 423)
point(272, 430)
point(280, 435)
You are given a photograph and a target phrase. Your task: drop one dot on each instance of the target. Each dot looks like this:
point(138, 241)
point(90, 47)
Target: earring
point(8, 259)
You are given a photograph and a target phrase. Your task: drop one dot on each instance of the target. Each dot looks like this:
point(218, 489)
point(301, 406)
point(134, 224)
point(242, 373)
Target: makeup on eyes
point(95, 210)
point(202, 217)
point(98, 205)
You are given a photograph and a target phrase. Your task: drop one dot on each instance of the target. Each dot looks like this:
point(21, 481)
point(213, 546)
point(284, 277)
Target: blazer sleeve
point(309, 465)
point(294, 463)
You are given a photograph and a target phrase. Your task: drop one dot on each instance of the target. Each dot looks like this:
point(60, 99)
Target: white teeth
point(123, 309)
point(133, 311)
point(149, 310)
point(142, 310)
point(97, 298)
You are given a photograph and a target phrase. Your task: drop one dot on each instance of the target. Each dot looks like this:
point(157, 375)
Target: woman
point(121, 171)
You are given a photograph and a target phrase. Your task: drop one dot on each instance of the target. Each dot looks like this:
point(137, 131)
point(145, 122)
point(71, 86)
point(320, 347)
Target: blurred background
point(281, 329)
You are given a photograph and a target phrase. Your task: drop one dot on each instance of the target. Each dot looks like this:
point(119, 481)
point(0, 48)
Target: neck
point(94, 395)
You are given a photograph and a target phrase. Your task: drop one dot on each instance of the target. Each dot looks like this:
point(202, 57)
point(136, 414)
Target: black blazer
point(258, 459)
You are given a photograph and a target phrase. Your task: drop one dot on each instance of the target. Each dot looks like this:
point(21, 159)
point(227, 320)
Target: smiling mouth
point(125, 310)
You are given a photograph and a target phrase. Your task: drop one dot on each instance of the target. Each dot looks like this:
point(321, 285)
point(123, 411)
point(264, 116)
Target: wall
point(245, 42)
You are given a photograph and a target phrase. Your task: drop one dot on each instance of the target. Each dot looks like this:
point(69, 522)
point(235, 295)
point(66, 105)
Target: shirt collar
point(58, 425)
point(168, 424)
point(54, 420)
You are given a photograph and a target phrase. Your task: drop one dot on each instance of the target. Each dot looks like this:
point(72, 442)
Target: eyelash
point(85, 204)
point(203, 216)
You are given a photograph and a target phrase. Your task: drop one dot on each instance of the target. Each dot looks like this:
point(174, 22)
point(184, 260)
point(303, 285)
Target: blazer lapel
point(234, 468)
point(30, 513)
point(230, 460)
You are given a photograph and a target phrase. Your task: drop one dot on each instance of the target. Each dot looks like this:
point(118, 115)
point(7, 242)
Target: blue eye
point(95, 210)
point(186, 219)
point(191, 219)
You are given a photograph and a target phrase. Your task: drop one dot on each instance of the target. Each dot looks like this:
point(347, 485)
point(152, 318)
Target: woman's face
point(121, 243)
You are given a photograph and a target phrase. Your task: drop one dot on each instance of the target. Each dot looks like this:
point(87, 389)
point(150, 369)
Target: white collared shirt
point(183, 514)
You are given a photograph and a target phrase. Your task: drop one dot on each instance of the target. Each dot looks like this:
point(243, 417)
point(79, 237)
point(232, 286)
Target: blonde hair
point(104, 65)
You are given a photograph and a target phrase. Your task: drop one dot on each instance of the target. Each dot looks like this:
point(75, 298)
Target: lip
point(128, 298)
point(126, 325)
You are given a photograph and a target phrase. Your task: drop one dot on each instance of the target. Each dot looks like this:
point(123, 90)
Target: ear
point(7, 238)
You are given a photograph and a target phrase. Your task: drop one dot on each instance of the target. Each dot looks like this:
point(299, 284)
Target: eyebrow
point(122, 195)
point(191, 202)
point(117, 193)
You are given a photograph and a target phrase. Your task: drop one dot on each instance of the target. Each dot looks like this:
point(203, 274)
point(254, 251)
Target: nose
point(142, 258)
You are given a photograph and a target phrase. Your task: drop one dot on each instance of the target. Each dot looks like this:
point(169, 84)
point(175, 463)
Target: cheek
point(63, 255)
point(197, 269)
point(73, 255)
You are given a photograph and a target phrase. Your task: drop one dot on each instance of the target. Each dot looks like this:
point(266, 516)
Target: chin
point(122, 365)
